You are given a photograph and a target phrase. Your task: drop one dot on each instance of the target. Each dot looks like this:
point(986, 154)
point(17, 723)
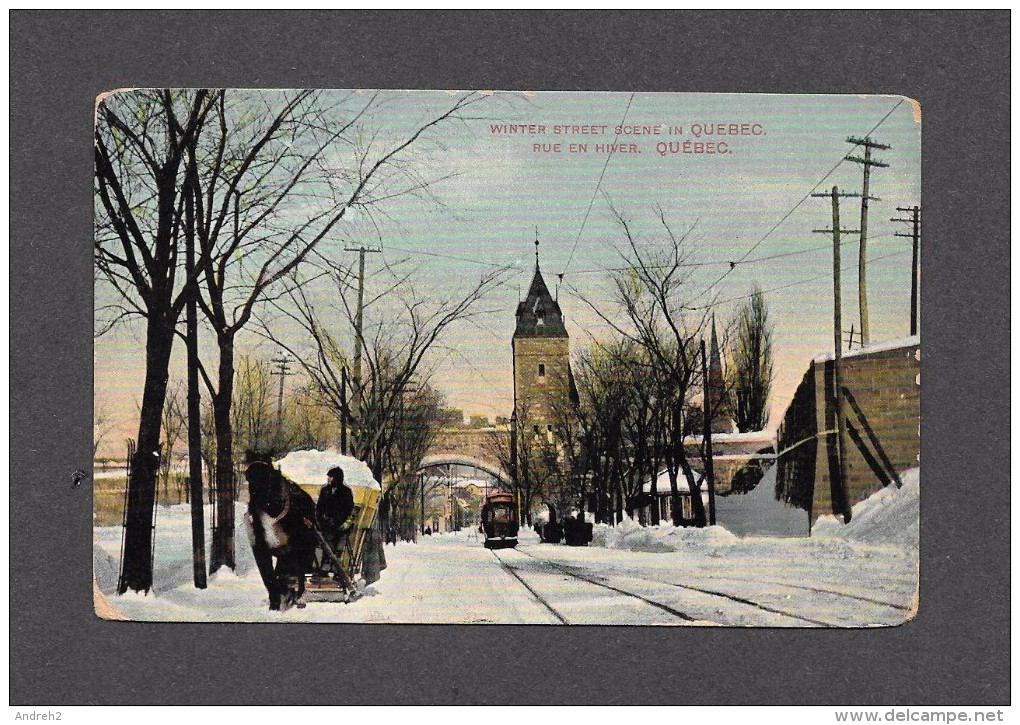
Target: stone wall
point(538, 396)
point(882, 416)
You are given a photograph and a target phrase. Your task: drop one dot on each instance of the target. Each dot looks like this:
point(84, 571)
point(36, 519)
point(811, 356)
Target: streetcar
point(499, 521)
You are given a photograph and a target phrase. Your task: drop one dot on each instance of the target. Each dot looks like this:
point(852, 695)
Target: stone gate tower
point(543, 383)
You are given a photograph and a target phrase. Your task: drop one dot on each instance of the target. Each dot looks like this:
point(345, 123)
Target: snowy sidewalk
point(442, 579)
point(860, 575)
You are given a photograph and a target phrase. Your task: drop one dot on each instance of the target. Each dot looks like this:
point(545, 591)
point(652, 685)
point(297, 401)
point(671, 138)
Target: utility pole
point(421, 481)
point(850, 340)
point(862, 279)
point(837, 362)
point(343, 410)
point(283, 371)
point(359, 340)
point(709, 462)
point(915, 235)
point(514, 463)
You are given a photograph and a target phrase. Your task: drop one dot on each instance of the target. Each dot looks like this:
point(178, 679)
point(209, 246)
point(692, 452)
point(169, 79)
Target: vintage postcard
point(507, 357)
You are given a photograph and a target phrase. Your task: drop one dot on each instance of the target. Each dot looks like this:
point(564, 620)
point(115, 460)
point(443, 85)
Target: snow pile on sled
point(632, 536)
point(889, 516)
point(308, 468)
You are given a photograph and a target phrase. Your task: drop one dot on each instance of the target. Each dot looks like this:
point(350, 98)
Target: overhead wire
point(719, 262)
point(796, 206)
point(597, 270)
point(595, 195)
point(827, 275)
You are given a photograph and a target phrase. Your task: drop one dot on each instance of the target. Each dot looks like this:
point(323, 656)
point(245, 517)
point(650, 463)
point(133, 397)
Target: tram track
point(569, 571)
point(562, 570)
point(538, 597)
point(822, 590)
point(600, 581)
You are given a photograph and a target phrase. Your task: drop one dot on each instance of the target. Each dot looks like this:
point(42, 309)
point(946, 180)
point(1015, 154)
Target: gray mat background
point(955, 652)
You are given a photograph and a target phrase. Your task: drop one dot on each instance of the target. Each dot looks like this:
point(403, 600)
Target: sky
point(497, 191)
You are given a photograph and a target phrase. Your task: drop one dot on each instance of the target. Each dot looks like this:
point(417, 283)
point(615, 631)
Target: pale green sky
point(488, 213)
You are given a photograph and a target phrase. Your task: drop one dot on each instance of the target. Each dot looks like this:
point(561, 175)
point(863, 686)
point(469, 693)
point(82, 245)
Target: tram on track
point(499, 521)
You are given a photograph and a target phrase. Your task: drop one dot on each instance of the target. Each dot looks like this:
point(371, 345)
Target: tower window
point(541, 370)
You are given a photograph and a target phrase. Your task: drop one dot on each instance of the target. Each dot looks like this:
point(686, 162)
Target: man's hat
point(336, 472)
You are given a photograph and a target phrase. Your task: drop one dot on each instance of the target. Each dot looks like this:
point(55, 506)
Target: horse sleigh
point(282, 526)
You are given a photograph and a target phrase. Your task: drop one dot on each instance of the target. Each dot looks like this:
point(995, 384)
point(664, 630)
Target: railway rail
point(530, 577)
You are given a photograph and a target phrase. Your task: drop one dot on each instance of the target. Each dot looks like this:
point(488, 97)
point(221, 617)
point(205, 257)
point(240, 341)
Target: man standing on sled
point(334, 508)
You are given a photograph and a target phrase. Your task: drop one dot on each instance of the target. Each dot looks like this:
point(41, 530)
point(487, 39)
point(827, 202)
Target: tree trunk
point(697, 505)
point(136, 567)
point(617, 513)
point(654, 490)
point(222, 553)
point(674, 498)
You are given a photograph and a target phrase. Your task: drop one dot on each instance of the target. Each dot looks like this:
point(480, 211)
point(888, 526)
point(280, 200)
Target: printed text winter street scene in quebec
point(507, 358)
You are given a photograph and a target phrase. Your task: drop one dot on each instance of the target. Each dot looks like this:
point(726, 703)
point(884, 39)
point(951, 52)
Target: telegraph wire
point(448, 256)
point(798, 204)
point(596, 270)
point(827, 275)
point(595, 195)
point(720, 262)
point(806, 280)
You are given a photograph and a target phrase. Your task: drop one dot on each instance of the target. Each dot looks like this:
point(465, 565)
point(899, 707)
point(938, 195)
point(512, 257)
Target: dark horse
point(281, 524)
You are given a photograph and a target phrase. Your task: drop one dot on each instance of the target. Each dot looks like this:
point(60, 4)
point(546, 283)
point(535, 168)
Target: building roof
point(538, 314)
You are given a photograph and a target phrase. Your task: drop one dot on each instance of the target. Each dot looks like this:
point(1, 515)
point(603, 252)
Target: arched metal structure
point(440, 460)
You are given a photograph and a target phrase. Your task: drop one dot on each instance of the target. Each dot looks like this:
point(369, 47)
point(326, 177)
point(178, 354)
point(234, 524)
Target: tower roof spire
point(539, 314)
point(716, 356)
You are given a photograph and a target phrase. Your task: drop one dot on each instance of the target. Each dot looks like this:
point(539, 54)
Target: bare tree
point(306, 424)
point(659, 317)
point(251, 415)
point(752, 372)
point(142, 140)
point(101, 426)
point(618, 411)
point(537, 471)
point(411, 432)
point(399, 354)
point(274, 175)
point(174, 425)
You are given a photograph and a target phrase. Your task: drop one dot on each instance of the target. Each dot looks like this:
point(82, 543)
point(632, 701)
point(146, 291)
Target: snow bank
point(308, 468)
point(632, 536)
point(889, 516)
point(758, 513)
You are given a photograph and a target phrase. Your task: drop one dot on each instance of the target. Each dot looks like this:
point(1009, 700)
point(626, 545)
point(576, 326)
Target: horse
point(281, 523)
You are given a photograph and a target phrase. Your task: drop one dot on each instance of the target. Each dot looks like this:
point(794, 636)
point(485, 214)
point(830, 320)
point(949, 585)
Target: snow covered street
point(844, 578)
